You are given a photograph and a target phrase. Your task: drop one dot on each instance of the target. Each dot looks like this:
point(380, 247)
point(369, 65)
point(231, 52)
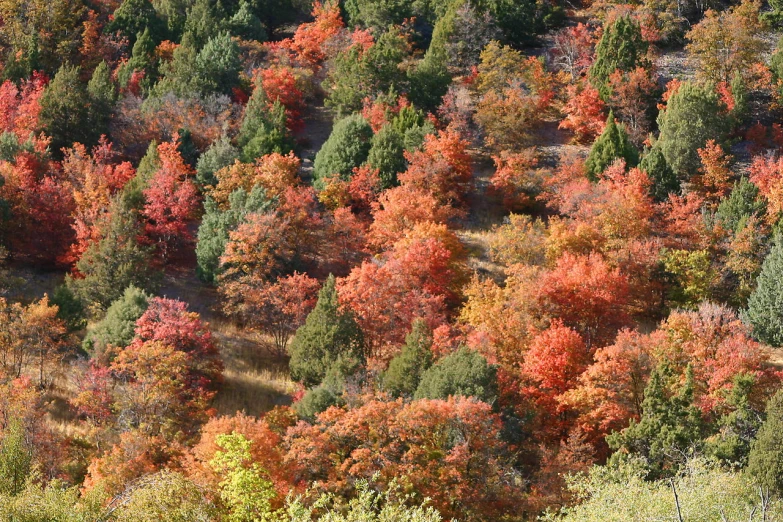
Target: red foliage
point(585, 112)
point(279, 84)
point(308, 43)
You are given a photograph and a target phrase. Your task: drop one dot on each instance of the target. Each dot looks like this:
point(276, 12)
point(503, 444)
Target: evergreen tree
point(143, 60)
point(664, 181)
point(246, 25)
point(464, 372)
point(387, 154)
point(213, 233)
point(16, 459)
point(218, 65)
point(611, 145)
point(738, 427)
point(263, 131)
point(743, 202)
point(669, 426)
point(64, 112)
point(692, 116)
point(739, 92)
point(132, 195)
point(133, 17)
point(621, 47)
point(765, 305)
point(219, 155)
point(406, 369)
point(118, 327)
point(765, 462)
point(69, 309)
point(103, 96)
point(328, 333)
point(347, 147)
point(115, 262)
point(205, 20)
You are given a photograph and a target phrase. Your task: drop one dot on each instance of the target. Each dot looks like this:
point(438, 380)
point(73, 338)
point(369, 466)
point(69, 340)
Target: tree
point(669, 423)
point(244, 490)
point(346, 149)
point(118, 328)
point(263, 130)
point(16, 459)
point(133, 17)
point(112, 264)
point(166, 495)
point(765, 312)
point(584, 112)
point(726, 43)
point(621, 47)
point(219, 155)
point(611, 145)
point(664, 180)
point(328, 333)
point(633, 97)
point(693, 115)
point(765, 174)
point(463, 373)
point(406, 369)
point(742, 202)
point(765, 461)
point(102, 97)
point(64, 110)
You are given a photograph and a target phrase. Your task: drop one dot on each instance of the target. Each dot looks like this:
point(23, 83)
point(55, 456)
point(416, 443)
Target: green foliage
point(765, 462)
point(357, 75)
point(16, 459)
point(692, 275)
point(142, 59)
point(246, 25)
point(53, 502)
point(670, 424)
point(464, 372)
point(739, 91)
point(743, 202)
point(103, 96)
point(69, 309)
point(219, 155)
point(611, 145)
point(405, 371)
point(315, 401)
point(204, 22)
point(263, 131)
point(366, 506)
point(347, 147)
point(213, 233)
point(765, 305)
point(387, 147)
point(118, 327)
point(244, 489)
point(664, 180)
point(132, 195)
point(133, 17)
point(621, 47)
point(168, 496)
point(328, 333)
point(739, 426)
point(114, 263)
point(706, 492)
point(519, 20)
point(692, 116)
point(64, 114)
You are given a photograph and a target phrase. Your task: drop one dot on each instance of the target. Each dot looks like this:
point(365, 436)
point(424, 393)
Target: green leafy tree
point(742, 202)
point(405, 371)
point(664, 180)
point(142, 60)
point(347, 147)
point(765, 305)
point(464, 372)
point(244, 488)
point(64, 110)
point(328, 333)
point(213, 233)
point(693, 115)
point(621, 47)
point(118, 327)
point(611, 145)
point(16, 459)
point(168, 496)
point(670, 424)
point(765, 462)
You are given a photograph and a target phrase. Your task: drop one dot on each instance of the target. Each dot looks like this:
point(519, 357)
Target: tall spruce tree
point(664, 180)
point(765, 462)
point(621, 47)
point(765, 305)
point(347, 147)
point(406, 369)
point(611, 145)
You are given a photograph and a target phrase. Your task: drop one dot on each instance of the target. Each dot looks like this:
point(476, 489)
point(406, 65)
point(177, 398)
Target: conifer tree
point(742, 202)
point(347, 147)
point(664, 181)
point(406, 369)
point(611, 145)
point(621, 47)
point(103, 96)
point(328, 333)
point(219, 155)
point(64, 112)
point(464, 372)
point(765, 305)
point(118, 327)
point(765, 462)
point(263, 130)
point(133, 17)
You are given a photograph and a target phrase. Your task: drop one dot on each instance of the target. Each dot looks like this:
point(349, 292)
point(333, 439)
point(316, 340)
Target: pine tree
point(118, 328)
point(621, 47)
point(133, 17)
point(347, 147)
point(765, 462)
point(218, 65)
point(664, 181)
point(263, 130)
point(694, 114)
point(738, 427)
point(742, 202)
point(246, 25)
point(464, 372)
point(219, 155)
point(387, 154)
point(103, 96)
point(64, 110)
point(328, 333)
point(611, 145)
point(765, 305)
point(406, 369)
